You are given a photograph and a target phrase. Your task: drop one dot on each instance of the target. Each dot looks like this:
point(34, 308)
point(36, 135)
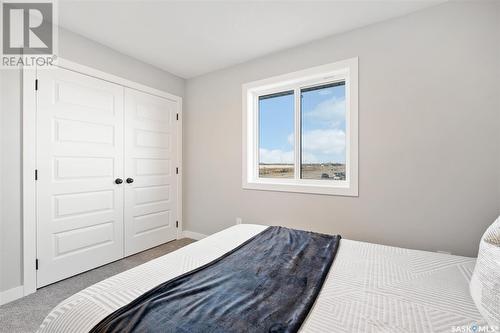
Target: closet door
point(79, 159)
point(150, 168)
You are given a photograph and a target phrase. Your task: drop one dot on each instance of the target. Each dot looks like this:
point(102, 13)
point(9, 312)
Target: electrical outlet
point(239, 220)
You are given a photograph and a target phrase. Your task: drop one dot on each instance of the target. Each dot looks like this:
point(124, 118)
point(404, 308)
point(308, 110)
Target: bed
point(369, 288)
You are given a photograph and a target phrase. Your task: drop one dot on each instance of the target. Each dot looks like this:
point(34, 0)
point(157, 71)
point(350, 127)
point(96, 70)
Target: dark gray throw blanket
point(267, 284)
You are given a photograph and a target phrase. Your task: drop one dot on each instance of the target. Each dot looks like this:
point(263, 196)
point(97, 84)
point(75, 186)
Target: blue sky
point(323, 127)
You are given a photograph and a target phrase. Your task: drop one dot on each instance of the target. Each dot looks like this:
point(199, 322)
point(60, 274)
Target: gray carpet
point(26, 314)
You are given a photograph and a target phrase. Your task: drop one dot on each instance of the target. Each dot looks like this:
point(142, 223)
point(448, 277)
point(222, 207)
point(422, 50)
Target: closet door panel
point(79, 156)
point(150, 160)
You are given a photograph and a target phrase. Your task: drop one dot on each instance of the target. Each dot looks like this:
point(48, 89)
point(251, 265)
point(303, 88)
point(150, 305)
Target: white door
point(150, 169)
point(79, 157)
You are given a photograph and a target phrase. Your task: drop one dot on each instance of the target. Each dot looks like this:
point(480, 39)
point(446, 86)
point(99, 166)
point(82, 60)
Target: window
point(300, 131)
point(323, 131)
point(276, 126)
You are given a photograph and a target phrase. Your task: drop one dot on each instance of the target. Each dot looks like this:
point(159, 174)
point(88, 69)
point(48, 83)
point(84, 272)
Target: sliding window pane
point(323, 140)
point(276, 135)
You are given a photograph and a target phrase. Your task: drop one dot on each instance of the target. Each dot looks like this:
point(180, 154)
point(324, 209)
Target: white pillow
point(485, 282)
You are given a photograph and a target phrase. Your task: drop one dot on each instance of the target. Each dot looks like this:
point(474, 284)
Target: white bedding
point(370, 288)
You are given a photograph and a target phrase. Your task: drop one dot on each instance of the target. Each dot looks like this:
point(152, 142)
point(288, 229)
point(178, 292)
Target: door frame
point(29, 107)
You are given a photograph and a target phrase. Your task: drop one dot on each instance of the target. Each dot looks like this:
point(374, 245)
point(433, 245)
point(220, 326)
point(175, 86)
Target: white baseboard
point(193, 235)
point(10, 295)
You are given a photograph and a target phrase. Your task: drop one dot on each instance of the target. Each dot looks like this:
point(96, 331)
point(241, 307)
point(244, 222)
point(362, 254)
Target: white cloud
point(318, 146)
point(323, 145)
point(271, 156)
point(331, 110)
point(308, 157)
point(326, 141)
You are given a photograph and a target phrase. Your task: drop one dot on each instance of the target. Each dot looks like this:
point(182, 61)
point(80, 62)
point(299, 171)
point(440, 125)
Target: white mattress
point(370, 288)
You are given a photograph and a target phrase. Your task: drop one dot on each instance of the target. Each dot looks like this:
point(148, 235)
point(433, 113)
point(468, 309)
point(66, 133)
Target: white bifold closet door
point(92, 134)
point(150, 163)
point(79, 156)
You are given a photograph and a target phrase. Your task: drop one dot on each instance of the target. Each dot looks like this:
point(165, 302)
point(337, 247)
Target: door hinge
point(36, 174)
point(36, 84)
point(177, 170)
point(36, 264)
point(177, 224)
point(177, 116)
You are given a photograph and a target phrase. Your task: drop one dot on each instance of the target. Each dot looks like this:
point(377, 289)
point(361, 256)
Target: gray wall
point(86, 52)
point(10, 179)
point(429, 110)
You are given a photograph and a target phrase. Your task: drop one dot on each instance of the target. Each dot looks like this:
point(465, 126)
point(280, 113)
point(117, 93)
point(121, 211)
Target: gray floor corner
point(26, 314)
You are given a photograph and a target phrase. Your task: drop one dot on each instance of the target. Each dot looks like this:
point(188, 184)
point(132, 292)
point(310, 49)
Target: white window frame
point(346, 70)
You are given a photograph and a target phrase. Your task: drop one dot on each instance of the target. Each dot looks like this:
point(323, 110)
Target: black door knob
point(118, 181)
point(130, 180)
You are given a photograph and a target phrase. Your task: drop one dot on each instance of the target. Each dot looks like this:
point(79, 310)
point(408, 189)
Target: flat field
point(333, 171)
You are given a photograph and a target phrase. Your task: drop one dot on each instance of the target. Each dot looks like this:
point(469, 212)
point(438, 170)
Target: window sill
point(311, 187)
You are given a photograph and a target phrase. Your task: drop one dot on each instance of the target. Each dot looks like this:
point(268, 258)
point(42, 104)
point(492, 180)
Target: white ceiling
point(191, 38)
